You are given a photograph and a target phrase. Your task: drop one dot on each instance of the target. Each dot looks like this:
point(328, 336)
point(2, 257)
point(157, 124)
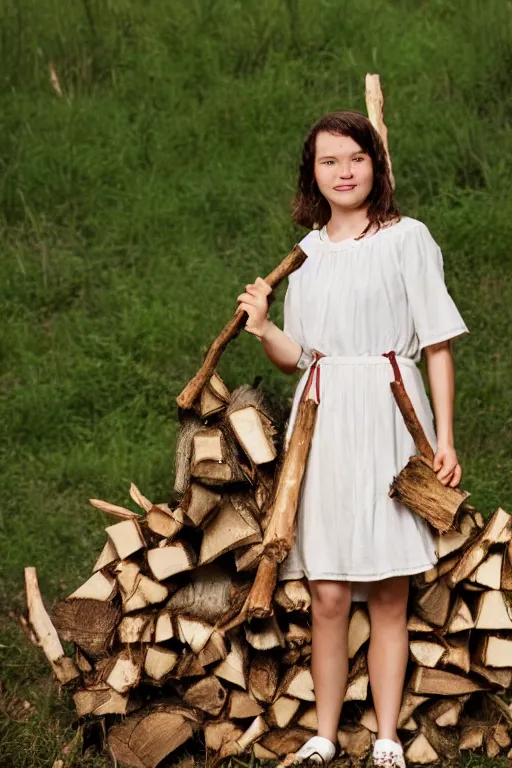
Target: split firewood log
point(248, 558)
point(358, 679)
point(418, 487)
point(242, 705)
point(125, 672)
point(445, 712)
point(506, 570)
point(293, 595)
point(137, 590)
point(261, 753)
point(457, 652)
point(445, 565)
point(369, 720)
point(472, 737)
point(114, 509)
point(136, 629)
point(498, 677)
point(198, 504)
point(145, 738)
point(297, 635)
point(98, 700)
point(358, 630)
point(410, 703)
point(264, 634)
point(159, 662)
point(160, 520)
point(282, 711)
point(81, 661)
point(170, 559)
point(194, 632)
point(91, 624)
point(207, 694)
point(126, 537)
point(427, 653)
point(297, 683)
point(214, 650)
point(212, 595)
point(221, 735)
point(284, 741)
point(355, 741)
point(495, 651)
point(214, 397)
point(263, 677)
point(234, 667)
point(433, 604)
point(442, 683)
point(98, 587)
point(497, 530)
point(164, 627)
point(158, 517)
point(309, 719)
point(188, 666)
point(420, 751)
point(232, 527)
point(256, 729)
point(488, 573)
point(493, 611)
point(107, 556)
point(450, 542)
point(501, 735)
point(45, 632)
point(460, 618)
point(251, 425)
point(421, 580)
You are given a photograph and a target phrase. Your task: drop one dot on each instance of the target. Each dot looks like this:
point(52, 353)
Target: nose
point(345, 170)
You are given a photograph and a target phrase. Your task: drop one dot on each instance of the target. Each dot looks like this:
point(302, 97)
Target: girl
point(373, 283)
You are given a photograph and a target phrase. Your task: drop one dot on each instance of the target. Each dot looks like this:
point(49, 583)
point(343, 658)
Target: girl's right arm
point(283, 351)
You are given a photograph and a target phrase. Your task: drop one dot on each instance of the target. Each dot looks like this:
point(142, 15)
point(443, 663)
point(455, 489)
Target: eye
point(326, 162)
point(359, 159)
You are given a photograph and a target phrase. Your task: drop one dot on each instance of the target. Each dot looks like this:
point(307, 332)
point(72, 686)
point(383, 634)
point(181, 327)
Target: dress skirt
point(348, 528)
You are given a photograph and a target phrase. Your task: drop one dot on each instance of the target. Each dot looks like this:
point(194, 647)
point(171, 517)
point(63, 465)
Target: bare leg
point(330, 607)
point(388, 651)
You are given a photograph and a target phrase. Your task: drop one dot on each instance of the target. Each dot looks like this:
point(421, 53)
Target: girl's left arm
point(441, 378)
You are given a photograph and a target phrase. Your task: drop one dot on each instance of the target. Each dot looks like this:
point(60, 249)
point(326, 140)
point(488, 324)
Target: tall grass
point(137, 205)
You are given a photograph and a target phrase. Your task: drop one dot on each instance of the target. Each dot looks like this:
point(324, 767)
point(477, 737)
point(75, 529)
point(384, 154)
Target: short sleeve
point(435, 315)
point(292, 325)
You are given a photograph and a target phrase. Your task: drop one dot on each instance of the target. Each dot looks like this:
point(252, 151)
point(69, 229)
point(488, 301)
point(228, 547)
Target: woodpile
point(164, 652)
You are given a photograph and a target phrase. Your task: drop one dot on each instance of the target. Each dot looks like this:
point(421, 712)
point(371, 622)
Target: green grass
point(136, 207)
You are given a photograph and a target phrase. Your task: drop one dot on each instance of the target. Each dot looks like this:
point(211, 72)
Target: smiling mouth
point(345, 187)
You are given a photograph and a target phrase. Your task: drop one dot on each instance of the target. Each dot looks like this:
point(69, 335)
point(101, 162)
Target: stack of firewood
point(161, 658)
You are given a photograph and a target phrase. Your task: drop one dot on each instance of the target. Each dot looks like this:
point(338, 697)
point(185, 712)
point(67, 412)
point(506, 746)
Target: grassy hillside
point(135, 207)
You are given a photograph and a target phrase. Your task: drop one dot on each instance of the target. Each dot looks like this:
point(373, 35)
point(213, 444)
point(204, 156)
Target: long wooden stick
point(45, 632)
point(375, 109)
point(185, 399)
point(280, 532)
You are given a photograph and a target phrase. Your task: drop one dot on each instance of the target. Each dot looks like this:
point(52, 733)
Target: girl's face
point(343, 171)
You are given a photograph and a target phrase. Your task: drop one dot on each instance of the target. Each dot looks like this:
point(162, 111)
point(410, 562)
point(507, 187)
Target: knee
point(330, 600)
point(388, 600)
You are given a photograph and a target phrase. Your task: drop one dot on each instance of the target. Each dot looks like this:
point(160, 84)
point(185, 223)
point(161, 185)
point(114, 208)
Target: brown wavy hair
point(310, 208)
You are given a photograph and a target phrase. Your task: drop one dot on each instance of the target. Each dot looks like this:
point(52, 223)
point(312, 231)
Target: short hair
point(310, 208)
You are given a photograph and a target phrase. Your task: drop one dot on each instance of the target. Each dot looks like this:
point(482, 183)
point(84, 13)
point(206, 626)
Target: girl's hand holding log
point(446, 466)
point(254, 301)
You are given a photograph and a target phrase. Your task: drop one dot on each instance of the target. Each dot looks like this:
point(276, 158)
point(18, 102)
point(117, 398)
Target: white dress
point(354, 301)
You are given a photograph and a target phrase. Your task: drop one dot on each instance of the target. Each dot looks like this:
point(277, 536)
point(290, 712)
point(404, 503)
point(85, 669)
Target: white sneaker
point(317, 749)
point(388, 754)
